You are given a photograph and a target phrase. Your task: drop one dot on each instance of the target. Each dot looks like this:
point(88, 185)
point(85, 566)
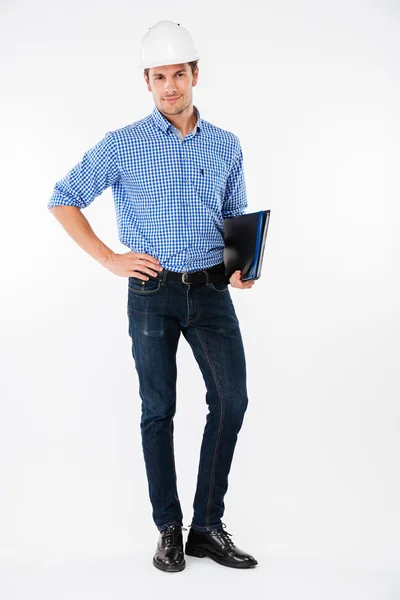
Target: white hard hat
point(166, 43)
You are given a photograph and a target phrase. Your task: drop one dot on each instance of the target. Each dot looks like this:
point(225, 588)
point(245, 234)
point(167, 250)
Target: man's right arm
point(97, 170)
point(77, 226)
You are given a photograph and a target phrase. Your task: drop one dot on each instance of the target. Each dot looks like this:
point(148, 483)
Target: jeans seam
point(172, 445)
point(219, 429)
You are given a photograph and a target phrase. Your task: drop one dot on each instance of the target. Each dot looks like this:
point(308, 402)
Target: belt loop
point(207, 278)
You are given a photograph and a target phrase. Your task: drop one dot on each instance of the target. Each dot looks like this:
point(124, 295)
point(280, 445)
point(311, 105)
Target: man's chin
point(172, 110)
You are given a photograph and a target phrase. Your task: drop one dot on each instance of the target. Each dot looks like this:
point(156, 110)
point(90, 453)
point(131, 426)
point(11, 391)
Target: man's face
point(172, 82)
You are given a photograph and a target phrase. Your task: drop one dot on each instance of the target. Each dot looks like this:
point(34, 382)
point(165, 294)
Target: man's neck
point(184, 121)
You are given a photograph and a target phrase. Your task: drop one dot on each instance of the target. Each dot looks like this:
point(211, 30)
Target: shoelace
point(171, 534)
point(225, 536)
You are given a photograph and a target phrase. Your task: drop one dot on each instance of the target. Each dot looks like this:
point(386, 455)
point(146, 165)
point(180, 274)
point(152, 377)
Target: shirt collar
point(165, 125)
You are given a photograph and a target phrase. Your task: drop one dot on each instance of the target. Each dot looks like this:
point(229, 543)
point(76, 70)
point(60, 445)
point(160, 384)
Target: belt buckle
point(188, 283)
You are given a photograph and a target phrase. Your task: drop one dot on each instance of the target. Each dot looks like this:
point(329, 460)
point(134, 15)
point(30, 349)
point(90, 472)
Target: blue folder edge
point(253, 269)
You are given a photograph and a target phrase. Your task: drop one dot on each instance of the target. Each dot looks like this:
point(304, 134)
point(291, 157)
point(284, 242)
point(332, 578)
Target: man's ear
point(195, 77)
point(147, 82)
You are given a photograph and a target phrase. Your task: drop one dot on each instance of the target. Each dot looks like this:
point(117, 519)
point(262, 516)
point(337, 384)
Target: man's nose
point(170, 85)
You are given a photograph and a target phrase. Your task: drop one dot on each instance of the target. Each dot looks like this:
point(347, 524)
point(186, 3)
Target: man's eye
point(179, 75)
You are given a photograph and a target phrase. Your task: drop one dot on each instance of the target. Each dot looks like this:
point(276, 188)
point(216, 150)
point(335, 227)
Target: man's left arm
point(235, 203)
point(235, 197)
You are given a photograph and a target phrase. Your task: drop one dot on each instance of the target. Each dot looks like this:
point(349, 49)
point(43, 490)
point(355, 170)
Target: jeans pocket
point(219, 286)
point(142, 287)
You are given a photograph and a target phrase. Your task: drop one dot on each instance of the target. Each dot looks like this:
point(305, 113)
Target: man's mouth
point(172, 99)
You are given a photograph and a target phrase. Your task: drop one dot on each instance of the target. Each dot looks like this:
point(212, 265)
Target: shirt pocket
point(209, 182)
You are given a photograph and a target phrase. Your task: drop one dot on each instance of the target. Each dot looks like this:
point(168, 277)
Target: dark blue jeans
point(158, 311)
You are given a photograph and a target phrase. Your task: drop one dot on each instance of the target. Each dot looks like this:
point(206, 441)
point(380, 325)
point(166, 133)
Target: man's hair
point(192, 64)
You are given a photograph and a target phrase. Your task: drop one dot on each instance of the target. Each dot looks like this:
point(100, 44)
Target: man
point(175, 177)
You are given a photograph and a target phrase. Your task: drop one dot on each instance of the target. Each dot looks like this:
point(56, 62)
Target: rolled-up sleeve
point(235, 198)
point(97, 170)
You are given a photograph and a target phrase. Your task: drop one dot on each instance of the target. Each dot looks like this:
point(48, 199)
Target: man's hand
point(133, 264)
point(236, 282)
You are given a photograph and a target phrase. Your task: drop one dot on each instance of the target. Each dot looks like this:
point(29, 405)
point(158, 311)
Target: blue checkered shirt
point(171, 194)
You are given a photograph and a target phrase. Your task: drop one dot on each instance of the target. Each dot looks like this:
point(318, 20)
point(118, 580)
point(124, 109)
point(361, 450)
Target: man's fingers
point(237, 282)
point(146, 257)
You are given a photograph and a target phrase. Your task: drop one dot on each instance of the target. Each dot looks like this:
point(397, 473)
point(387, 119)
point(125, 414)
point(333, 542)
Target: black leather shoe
point(219, 546)
point(169, 554)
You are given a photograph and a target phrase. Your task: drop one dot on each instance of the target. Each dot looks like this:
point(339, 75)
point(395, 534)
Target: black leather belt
point(215, 273)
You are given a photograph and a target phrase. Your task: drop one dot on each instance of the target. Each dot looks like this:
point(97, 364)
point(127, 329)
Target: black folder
point(244, 238)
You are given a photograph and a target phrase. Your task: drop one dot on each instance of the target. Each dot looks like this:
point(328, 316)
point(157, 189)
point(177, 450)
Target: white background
point(312, 90)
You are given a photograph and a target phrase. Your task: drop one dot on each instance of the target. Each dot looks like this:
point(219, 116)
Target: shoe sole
point(202, 552)
point(169, 568)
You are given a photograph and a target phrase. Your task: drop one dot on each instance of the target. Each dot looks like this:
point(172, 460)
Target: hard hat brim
point(161, 62)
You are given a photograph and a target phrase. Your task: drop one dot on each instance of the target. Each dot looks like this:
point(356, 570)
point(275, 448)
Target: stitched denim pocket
point(139, 286)
point(219, 286)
